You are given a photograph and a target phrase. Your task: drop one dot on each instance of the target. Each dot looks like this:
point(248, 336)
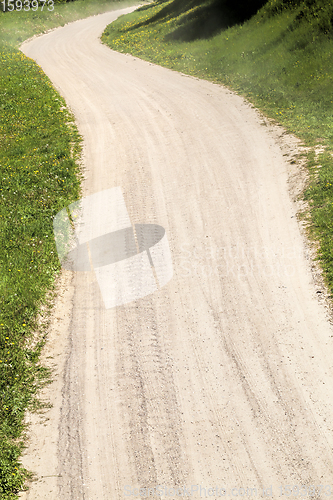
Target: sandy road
point(224, 376)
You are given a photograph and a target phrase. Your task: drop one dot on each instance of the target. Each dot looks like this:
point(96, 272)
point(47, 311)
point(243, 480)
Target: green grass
point(280, 60)
point(39, 175)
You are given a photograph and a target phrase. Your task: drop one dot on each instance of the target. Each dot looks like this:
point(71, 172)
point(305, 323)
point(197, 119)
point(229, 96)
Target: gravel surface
point(223, 377)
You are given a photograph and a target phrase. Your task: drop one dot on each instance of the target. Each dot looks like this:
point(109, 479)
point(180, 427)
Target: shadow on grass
point(202, 19)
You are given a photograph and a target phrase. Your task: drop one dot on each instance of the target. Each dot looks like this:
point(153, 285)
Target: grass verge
point(280, 60)
point(40, 174)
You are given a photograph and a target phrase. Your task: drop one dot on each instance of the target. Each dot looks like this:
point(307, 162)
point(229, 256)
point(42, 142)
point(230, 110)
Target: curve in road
point(223, 377)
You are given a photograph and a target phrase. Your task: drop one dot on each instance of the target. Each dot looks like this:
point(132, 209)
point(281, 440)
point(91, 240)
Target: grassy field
point(279, 59)
point(40, 174)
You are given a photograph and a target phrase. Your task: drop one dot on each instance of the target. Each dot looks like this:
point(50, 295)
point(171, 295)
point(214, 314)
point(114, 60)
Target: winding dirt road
point(223, 377)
